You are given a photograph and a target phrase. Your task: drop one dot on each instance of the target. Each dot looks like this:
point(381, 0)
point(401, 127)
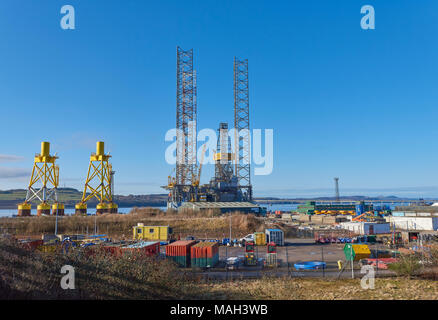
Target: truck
point(258, 238)
point(247, 238)
point(250, 258)
point(271, 255)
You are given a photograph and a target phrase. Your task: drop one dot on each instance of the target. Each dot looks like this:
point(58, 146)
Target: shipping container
point(275, 235)
point(31, 244)
point(154, 233)
point(151, 248)
point(205, 254)
point(259, 238)
point(179, 251)
point(148, 248)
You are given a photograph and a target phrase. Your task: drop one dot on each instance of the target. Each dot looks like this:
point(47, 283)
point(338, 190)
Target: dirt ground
point(296, 250)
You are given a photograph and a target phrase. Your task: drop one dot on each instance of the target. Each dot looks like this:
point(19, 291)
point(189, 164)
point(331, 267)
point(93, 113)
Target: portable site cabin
point(157, 233)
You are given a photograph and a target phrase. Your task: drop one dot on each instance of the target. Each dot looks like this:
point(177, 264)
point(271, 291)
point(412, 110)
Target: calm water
point(269, 207)
point(11, 212)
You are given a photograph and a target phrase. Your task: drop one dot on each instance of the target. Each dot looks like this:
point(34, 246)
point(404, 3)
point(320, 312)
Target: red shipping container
point(32, 244)
point(205, 250)
point(179, 248)
point(151, 249)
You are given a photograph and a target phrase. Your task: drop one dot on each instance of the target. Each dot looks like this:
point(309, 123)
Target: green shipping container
point(205, 262)
point(182, 261)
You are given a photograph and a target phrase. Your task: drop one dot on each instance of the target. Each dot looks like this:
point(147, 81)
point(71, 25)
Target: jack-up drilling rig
point(227, 185)
point(99, 183)
point(43, 185)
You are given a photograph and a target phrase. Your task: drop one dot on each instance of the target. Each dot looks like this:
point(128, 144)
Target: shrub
point(407, 265)
point(26, 274)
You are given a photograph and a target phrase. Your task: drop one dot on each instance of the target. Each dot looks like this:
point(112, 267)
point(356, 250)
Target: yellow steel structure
point(223, 156)
point(99, 183)
point(43, 184)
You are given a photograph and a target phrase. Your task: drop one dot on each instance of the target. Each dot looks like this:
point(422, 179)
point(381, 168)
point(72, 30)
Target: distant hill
point(346, 198)
point(70, 196)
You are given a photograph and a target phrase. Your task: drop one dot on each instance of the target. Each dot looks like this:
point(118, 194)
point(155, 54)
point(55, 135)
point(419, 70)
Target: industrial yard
point(159, 279)
point(209, 150)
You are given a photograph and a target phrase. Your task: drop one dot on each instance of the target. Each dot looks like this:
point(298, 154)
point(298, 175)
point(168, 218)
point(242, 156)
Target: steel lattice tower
point(241, 126)
point(185, 118)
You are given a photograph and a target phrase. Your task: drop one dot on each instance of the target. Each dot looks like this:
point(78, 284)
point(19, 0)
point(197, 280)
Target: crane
point(171, 180)
point(198, 177)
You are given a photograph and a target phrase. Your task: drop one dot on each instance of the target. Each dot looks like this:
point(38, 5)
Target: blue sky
point(357, 104)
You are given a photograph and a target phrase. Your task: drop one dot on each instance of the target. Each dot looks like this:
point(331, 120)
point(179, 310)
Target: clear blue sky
point(357, 104)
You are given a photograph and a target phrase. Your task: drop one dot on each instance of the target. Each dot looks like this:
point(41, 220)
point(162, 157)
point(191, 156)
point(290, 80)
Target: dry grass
point(33, 275)
point(28, 274)
point(205, 224)
point(323, 289)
